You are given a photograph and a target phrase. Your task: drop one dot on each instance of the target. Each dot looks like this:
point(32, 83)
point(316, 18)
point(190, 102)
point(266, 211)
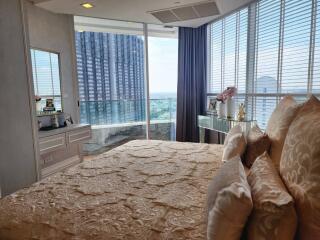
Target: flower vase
point(221, 110)
point(38, 106)
point(230, 102)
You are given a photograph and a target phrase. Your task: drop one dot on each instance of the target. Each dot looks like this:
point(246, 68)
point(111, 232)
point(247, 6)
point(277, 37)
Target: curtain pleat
point(192, 73)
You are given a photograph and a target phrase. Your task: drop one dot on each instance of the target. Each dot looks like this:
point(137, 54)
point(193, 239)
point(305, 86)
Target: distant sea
point(163, 95)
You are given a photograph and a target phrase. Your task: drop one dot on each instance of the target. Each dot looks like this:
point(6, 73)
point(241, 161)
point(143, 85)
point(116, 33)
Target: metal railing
point(111, 112)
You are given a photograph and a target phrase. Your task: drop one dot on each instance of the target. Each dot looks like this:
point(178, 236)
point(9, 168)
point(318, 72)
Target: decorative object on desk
point(221, 110)
point(230, 107)
point(68, 119)
point(212, 106)
point(226, 97)
point(229, 92)
point(241, 112)
point(54, 121)
point(49, 105)
point(38, 103)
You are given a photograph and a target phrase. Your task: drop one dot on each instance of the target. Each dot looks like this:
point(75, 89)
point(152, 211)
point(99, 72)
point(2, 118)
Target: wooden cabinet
point(62, 148)
point(52, 143)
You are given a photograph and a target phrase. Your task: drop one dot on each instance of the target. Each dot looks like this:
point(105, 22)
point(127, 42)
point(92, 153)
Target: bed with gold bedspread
point(140, 190)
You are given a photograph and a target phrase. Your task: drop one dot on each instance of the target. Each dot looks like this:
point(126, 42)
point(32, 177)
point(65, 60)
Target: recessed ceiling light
point(87, 5)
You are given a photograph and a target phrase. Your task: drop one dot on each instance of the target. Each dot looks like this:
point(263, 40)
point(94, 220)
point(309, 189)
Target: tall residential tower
point(111, 77)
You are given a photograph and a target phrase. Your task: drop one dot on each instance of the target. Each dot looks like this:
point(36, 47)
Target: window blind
point(282, 55)
point(227, 53)
point(46, 76)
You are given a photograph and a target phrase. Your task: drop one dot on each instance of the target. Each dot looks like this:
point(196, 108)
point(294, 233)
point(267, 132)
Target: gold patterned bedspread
point(140, 190)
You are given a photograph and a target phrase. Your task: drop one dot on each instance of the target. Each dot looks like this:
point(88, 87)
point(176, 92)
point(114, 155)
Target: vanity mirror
point(46, 81)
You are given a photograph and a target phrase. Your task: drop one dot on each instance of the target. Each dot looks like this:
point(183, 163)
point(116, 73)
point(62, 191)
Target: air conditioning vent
point(186, 12)
point(165, 16)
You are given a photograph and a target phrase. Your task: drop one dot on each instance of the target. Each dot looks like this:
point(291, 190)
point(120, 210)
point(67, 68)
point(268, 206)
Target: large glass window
point(113, 91)
point(227, 59)
point(111, 78)
point(163, 64)
point(282, 56)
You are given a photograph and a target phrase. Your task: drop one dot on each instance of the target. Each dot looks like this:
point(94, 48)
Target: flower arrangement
point(228, 93)
point(37, 98)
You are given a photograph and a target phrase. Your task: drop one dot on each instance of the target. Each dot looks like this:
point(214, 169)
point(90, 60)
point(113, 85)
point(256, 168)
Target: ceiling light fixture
point(87, 5)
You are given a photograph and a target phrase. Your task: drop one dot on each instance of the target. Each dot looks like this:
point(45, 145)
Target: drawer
point(79, 135)
point(52, 143)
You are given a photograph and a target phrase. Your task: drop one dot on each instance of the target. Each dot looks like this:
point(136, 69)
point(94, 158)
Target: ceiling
point(135, 10)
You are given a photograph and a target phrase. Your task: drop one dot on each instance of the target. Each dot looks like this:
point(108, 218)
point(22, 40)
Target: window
point(283, 54)
point(117, 98)
point(228, 53)
point(46, 77)
point(163, 71)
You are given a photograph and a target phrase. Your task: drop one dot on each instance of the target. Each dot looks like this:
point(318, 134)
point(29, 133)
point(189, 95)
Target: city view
point(112, 86)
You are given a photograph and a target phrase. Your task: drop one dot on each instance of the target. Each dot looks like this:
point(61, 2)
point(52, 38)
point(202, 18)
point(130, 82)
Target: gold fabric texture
point(235, 146)
point(257, 143)
point(278, 126)
point(273, 216)
point(141, 190)
point(229, 202)
point(300, 167)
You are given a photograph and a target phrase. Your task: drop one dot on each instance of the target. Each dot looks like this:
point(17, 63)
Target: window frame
point(35, 80)
point(251, 95)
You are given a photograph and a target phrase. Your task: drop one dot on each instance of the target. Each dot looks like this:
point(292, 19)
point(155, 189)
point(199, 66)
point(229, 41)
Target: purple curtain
point(192, 73)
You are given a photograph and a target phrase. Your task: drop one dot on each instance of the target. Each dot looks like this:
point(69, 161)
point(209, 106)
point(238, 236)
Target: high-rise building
point(111, 77)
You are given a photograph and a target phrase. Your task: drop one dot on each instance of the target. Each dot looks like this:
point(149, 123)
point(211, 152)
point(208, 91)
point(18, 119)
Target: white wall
point(17, 150)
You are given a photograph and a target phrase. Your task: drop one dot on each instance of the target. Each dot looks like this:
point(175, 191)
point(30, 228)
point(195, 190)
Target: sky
point(163, 64)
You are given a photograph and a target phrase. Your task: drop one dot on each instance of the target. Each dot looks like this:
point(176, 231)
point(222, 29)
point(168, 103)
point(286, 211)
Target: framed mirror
point(46, 81)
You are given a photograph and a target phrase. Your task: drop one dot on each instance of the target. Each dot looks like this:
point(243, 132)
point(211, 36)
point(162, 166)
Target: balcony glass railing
point(127, 111)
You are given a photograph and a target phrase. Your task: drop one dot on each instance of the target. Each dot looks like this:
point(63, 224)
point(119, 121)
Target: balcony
point(115, 122)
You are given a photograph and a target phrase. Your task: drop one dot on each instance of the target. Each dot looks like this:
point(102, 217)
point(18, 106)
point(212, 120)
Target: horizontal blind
point(215, 31)
point(316, 62)
point(46, 76)
point(242, 50)
point(228, 52)
point(296, 46)
point(267, 46)
point(282, 55)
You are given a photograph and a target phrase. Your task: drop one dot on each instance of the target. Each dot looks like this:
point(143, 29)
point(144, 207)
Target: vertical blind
point(282, 48)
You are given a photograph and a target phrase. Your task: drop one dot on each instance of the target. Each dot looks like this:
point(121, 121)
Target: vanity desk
point(61, 148)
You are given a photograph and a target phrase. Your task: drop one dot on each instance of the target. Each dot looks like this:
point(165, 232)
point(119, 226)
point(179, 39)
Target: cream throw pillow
point(229, 202)
point(257, 143)
point(278, 126)
point(235, 146)
point(300, 167)
point(273, 216)
point(233, 131)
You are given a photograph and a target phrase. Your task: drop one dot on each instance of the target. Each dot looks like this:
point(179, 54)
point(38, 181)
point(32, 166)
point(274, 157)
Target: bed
point(140, 190)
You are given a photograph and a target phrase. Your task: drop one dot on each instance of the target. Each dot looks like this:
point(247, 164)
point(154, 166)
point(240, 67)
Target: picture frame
point(212, 105)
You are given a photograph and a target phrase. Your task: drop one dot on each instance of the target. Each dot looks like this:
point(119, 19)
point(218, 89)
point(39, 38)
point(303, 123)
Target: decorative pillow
point(233, 131)
point(278, 126)
point(273, 216)
point(229, 202)
point(300, 167)
point(257, 143)
point(235, 147)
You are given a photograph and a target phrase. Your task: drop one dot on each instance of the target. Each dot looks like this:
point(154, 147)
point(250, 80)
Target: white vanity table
point(61, 148)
